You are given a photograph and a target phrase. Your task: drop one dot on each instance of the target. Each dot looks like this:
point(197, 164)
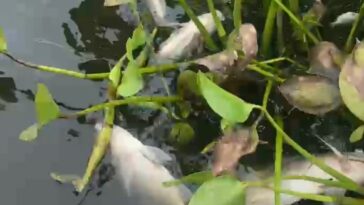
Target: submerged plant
point(321, 89)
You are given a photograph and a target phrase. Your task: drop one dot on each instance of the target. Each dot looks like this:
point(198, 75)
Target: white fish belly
point(143, 181)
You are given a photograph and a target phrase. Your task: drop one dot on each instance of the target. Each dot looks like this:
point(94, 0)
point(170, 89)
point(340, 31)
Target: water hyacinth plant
point(331, 78)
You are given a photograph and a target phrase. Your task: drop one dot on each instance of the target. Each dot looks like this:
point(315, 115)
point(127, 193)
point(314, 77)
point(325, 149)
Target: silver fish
point(345, 18)
point(158, 9)
point(183, 41)
point(141, 171)
point(351, 165)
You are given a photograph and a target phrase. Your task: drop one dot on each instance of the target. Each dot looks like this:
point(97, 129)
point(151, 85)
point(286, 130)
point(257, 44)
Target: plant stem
point(58, 70)
point(99, 149)
point(129, 100)
point(297, 21)
point(268, 29)
point(237, 14)
point(344, 179)
point(265, 73)
point(96, 76)
point(206, 36)
point(278, 164)
point(268, 89)
point(280, 34)
point(318, 180)
point(316, 197)
point(220, 28)
point(279, 59)
point(354, 28)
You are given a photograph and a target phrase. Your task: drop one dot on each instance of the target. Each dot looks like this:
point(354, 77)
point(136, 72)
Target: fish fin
point(332, 148)
point(156, 155)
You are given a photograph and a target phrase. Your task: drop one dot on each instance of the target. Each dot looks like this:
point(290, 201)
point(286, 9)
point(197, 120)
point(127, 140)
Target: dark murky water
point(84, 36)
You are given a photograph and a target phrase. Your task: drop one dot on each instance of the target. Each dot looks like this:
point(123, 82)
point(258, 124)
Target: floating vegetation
point(330, 78)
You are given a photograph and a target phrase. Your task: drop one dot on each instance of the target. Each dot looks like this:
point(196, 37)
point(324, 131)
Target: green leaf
point(117, 2)
point(182, 133)
point(187, 84)
point(357, 135)
point(224, 190)
point(3, 44)
point(47, 109)
point(351, 82)
point(194, 178)
point(138, 39)
point(227, 105)
point(132, 81)
point(226, 126)
point(115, 72)
point(30, 133)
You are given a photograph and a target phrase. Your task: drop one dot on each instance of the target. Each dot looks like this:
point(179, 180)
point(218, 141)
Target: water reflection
point(7, 90)
point(100, 29)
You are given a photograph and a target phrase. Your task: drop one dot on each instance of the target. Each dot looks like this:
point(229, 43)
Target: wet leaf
point(351, 84)
point(182, 133)
point(30, 133)
point(231, 147)
point(194, 178)
point(224, 190)
point(138, 39)
point(357, 135)
point(325, 60)
point(187, 84)
point(117, 2)
point(115, 73)
point(47, 109)
point(227, 105)
point(3, 44)
point(69, 178)
point(315, 95)
point(132, 81)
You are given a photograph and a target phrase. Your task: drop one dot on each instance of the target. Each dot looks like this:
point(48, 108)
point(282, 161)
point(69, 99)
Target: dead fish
point(183, 41)
point(141, 171)
point(352, 167)
point(244, 40)
point(158, 9)
point(345, 18)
